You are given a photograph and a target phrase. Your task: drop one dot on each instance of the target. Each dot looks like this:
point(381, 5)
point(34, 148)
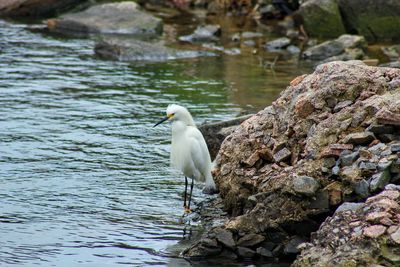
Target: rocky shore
point(331, 137)
point(312, 176)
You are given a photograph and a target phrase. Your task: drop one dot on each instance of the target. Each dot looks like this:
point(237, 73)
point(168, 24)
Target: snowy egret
point(189, 152)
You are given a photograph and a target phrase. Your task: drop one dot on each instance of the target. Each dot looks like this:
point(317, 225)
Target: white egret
point(189, 152)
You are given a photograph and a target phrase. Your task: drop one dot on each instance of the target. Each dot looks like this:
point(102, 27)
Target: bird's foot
point(187, 209)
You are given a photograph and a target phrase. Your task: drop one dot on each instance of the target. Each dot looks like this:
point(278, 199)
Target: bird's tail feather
point(210, 187)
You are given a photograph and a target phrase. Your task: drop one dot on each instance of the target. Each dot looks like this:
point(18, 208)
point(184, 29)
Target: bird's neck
point(178, 128)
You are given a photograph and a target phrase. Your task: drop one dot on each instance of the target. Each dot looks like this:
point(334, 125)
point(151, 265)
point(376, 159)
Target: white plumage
point(189, 152)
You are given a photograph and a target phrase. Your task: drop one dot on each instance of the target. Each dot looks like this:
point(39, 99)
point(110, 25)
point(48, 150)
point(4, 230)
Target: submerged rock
point(204, 33)
point(123, 18)
point(34, 8)
point(277, 44)
point(129, 49)
point(345, 47)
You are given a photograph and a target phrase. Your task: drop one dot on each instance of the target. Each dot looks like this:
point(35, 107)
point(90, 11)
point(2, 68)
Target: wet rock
point(305, 185)
point(249, 42)
point(250, 240)
point(292, 49)
point(348, 206)
point(248, 35)
point(374, 19)
point(292, 246)
point(34, 8)
point(128, 49)
point(282, 155)
point(123, 18)
point(380, 129)
point(226, 238)
point(322, 18)
point(324, 50)
point(377, 149)
point(362, 138)
point(346, 47)
point(264, 252)
point(204, 33)
point(245, 252)
point(277, 44)
point(379, 180)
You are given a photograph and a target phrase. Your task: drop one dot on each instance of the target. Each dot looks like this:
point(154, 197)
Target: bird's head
point(178, 113)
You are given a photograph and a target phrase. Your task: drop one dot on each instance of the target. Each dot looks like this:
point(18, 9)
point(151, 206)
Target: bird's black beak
point(161, 121)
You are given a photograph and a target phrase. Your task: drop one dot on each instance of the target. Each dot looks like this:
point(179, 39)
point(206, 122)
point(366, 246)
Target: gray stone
point(395, 168)
point(322, 18)
point(336, 170)
point(352, 41)
point(377, 149)
point(373, 19)
point(291, 246)
point(130, 49)
point(384, 165)
point(361, 188)
point(380, 129)
point(349, 206)
point(279, 43)
point(361, 138)
point(368, 166)
point(123, 18)
point(264, 252)
point(226, 238)
point(203, 33)
point(248, 35)
point(250, 240)
point(324, 50)
point(282, 155)
point(249, 42)
point(379, 180)
point(292, 49)
point(347, 160)
point(305, 185)
point(342, 105)
point(392, 52)
point(245, 252)
point(395, 147)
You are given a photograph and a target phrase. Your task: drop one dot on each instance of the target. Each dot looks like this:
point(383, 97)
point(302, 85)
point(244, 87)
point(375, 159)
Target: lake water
point(84, 178)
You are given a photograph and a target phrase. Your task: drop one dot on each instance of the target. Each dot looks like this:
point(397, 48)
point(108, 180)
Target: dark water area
point(84, 178)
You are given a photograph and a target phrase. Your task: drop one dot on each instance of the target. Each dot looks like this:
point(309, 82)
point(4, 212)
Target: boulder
point(36, 9)
point(345, 47)
point(366, 236)
point(203, 33)
point(377, 20)
point(129, 49)
point(269, 156)
point(322, 18)
point(123, 18)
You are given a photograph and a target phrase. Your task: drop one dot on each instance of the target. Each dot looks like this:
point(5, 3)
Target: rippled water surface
point(84, 178)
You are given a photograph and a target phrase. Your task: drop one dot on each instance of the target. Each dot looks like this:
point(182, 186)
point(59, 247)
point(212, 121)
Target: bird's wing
point(199, 152)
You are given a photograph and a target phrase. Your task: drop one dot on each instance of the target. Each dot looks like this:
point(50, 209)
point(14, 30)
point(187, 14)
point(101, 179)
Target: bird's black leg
point(190, 196)
point(185, 195)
